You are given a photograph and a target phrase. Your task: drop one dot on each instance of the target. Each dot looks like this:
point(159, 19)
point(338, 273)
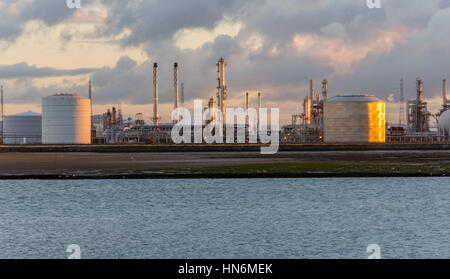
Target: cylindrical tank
point(22, 128)
point(354, 118)
point(66, 119)
point(444, 123)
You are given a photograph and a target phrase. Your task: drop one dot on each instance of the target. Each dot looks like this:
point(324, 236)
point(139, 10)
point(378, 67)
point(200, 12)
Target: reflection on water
point(237, 218)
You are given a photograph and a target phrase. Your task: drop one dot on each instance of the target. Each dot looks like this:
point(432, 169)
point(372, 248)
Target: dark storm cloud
point(49, 11)
point(157, 20)
point(23, 70)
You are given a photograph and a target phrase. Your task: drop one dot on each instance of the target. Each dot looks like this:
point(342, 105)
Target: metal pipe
point(325, 89)
point(176, 103)
point(155, 90)
point(246, 108)
point(90, 98)
point(246, 101)
point(444, 92)
point(419, 87)
point(259, 109)
point(222, 86)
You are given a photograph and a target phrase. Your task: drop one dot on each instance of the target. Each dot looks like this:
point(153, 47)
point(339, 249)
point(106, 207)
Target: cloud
point(23, 70)
point(277, 48)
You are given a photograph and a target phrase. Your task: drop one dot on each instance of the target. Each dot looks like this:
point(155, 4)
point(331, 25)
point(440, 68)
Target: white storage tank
point(66, 119)
point(22, 128)
point(444, 123)
point(354, 119)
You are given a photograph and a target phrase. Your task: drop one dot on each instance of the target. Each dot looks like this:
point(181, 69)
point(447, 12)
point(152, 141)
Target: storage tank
point(23, 128)
point(66, 119)
point(354, 118)
point(444, 123)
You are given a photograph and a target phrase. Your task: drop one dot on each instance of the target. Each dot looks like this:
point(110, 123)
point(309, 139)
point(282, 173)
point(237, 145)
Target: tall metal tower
point(402, 104)
point(222, 87)
point(155, 90)
point(176, 97)
point(259, 109)
point(90, 98)
point(325, 89)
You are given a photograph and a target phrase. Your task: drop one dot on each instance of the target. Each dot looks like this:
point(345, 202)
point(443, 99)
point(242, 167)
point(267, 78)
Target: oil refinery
point(67, 119)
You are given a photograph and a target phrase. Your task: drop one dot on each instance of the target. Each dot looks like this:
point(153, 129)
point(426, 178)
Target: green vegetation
point(311, 169)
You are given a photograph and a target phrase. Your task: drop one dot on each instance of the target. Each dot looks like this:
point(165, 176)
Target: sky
point(271, 46)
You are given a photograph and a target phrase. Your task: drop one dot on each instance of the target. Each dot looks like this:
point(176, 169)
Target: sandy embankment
point(115, 163)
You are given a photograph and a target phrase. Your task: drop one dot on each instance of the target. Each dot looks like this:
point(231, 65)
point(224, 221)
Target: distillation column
point(325, 89)
point(222, 87)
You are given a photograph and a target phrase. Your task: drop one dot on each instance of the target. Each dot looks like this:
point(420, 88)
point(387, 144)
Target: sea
point(331, 218)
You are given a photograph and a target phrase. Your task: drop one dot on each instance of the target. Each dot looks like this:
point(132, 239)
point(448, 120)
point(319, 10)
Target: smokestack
point(176, 96)
point(246, 108)
point(311, 89)
point(246, 101)
point(90, 98)
point(90, 90)
point(325, 89)
point(155, 90)
point(222, 87)
point(444, 92)
point(419, 87)
point(176, 103)
point(114, 116)
point(259, 109)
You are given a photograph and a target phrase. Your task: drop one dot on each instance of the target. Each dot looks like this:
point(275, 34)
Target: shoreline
point(219, 165)
point(175, 148)
point(195, 176)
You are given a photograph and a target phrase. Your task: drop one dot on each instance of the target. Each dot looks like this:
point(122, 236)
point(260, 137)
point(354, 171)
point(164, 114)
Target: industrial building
point(22, 128)
point(444, 125)
point(418, 114)
point(354, 118)
point(66, 119)
point(308, 126)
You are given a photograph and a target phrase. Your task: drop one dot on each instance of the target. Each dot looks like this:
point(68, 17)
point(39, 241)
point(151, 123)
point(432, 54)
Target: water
point(247, 218)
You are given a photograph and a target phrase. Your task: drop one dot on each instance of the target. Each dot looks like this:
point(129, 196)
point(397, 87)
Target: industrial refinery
point(67, 119)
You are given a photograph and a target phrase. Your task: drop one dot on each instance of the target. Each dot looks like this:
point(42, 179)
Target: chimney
point(246, 100)
point(444, 92)
point(259, 109)
point(176, 96)
point(155, 90)
point(246, 108)
point(222, 87)
point(325, 89)
point(311, 89)
point(90, 98)
point(419, 87)
point(176, 87)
